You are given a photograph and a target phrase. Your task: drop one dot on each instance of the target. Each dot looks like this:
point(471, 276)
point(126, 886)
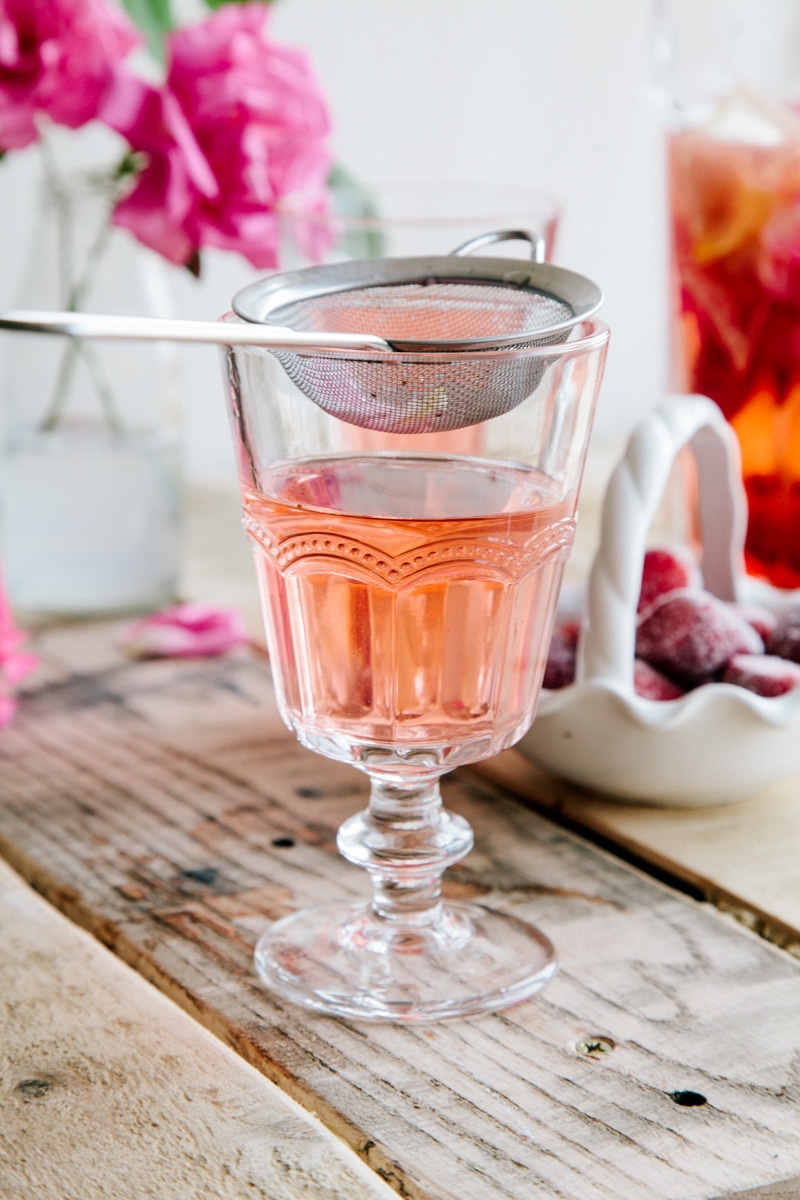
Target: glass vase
point(90, 475)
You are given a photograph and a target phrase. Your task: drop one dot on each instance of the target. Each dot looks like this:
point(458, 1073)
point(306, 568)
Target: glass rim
point(505, 203)
point(592, 334)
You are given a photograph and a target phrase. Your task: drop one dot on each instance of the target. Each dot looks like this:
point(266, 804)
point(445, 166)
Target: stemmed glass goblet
point(409, 584)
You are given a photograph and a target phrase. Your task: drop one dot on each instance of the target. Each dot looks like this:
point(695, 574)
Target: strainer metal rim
point(261, 302)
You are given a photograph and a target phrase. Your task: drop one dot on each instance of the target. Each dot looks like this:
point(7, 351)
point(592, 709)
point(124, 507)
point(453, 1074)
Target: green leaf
point(130, 164)
point(214, 4)
point(154, 18)
point(352, 199)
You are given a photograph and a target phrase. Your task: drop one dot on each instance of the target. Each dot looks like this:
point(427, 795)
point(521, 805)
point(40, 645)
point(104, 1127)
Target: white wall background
point(552, 94)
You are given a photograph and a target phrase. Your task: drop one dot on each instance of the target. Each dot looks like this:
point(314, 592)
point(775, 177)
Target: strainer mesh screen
point(436, 311)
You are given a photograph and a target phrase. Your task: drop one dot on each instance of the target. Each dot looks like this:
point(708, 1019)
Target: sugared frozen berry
point(665, 570)
point(570, 627)
point(785, 637)
point(559, 670)
point(690, 635)
point(651, 684)
point(765, 674)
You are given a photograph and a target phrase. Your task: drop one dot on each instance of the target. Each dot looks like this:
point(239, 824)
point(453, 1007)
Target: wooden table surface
point(162, 808)
point(743, 858)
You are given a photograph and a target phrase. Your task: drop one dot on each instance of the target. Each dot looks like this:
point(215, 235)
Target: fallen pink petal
point(15, 664)
point(186, 631)
point(8, 706)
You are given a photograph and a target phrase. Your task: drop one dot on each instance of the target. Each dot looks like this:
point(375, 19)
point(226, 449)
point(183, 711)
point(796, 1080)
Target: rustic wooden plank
point(740, 857)
point(788, 1189)
point(108, 1089)
point(164, 807)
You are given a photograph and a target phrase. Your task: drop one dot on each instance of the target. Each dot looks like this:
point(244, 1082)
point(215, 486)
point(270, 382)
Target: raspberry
point(785, 637)
point(651, 684)
point(765, 674)
point(664, 571)
point(559, 670)
point(690, 635)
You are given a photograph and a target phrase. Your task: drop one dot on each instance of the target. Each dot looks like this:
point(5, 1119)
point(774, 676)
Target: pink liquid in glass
point(408, 600)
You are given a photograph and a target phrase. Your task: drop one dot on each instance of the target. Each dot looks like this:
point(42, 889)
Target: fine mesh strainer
point(452, 323)
point(404, 345)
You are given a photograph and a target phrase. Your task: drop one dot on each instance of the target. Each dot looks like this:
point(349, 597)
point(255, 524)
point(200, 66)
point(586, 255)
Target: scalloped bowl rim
point(689, 724)
point(770, 711)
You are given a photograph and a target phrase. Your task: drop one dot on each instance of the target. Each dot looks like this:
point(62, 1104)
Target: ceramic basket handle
point(608, 637)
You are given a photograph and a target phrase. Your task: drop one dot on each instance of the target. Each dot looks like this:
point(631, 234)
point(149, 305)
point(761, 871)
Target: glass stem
point(406, 840)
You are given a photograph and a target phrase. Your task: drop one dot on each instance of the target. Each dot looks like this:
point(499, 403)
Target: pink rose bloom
point(15, 664)
point(56, 59)
point(185, 631)
point(258, 120)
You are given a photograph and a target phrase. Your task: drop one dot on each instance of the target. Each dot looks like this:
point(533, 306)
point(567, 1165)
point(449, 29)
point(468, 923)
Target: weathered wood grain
point(743, 858)
point(164, 807)
point(788, 1189)
point(109, 1092)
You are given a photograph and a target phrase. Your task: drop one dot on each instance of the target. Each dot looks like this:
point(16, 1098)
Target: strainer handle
point(168, 329)
point(608, 636)
point(535, 240)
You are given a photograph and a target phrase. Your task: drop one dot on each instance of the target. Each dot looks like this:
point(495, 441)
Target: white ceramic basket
point(717, 744)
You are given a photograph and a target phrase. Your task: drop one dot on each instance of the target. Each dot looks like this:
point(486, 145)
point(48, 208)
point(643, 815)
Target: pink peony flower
point(185, 631)
point(15, 664)
point(56, 59)
point(160, 211)
point(240, 122)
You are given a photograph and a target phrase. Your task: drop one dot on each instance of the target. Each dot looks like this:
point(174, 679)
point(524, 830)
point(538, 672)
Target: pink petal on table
point(17, 666)
point(8, 706)
point(185, 631)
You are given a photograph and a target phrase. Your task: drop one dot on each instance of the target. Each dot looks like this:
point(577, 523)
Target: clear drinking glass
point(403, 218)
point(409, 584)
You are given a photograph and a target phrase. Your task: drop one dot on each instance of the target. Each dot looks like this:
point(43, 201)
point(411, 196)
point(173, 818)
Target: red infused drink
point(735, 206)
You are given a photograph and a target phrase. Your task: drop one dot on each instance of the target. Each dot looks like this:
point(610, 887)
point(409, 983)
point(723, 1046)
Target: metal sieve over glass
point(402, 345)
point(438, 318)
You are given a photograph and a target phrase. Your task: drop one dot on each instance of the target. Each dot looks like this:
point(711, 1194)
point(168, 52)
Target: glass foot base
point(344, 961)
